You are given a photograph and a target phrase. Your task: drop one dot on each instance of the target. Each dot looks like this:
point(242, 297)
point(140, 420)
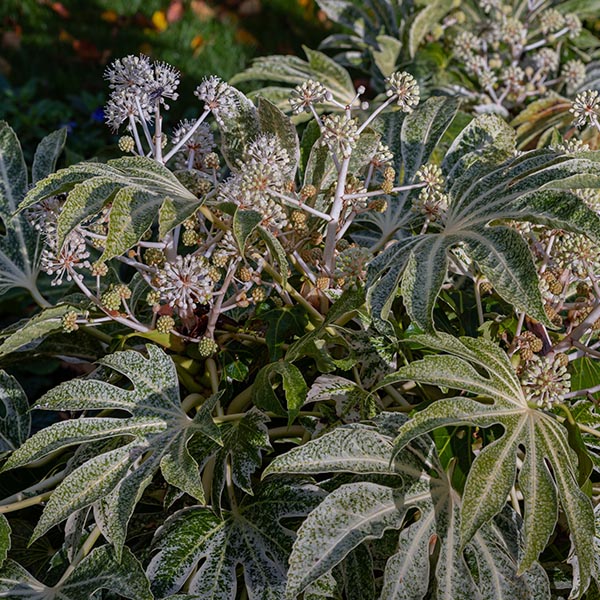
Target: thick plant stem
point(50, 482)
point(83, 552)
point(7, 508)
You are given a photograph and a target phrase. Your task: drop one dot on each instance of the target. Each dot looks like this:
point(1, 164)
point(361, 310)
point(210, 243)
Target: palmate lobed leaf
point(364, 510)
point(100, 570)
point(252, 536)
point(487, 185)
point(114, 479)
point(19, 246)
point(494, 471)
point(139, 189)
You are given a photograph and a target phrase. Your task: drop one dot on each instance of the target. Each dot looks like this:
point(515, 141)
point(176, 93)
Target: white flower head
point(218, 97)
point(184, 283)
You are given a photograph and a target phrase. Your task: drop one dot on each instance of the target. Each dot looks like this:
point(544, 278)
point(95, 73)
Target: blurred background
point(53, 54)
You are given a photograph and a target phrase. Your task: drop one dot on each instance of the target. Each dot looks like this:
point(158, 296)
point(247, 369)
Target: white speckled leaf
point(137, 186)
point(252, 537)
point(487, 183)
point(244, 441)
point(493, 471)
point(362, 510)
point(100, 570)
point(33, 330)
point(19, 250)
point(4, 538)
point(114, 477)
point(47, 153)
point(15, 419)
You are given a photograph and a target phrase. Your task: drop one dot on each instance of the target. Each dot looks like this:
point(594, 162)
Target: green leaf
point(494, 470)
point(33, 330)
point(294, 386)
point(19, 252)
point(363, 510)
point(244, 223)
point(387, 55)
point(277, 252)
point(239, 128)
point(273, 121)
point(47, 153)
point(15, 419)
point(4, 538)
point(243, 442)
point(160, 430)
point(281, 324)
point(100, 570)
point(252, 537)
point(424, 22)
point(138, 188)
point(485, 187)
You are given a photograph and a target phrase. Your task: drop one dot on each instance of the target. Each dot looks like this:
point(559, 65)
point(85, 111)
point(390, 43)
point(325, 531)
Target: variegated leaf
point(359, 511)
point(140, 191)
point(100, 570)
point(19, 251)
point(251, 537)
point(494, 471)
point(4, 539)
point(115, 478)
point(47, 154)
point(15, 419)
point(487, 185)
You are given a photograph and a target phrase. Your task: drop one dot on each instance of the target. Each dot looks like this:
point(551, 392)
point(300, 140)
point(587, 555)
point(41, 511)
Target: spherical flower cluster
point(586, 108)
point(351, 267)
point(184, 283)
point(465, 44)
point(528, 344)
point(267, 150)
point(513, 78)
point(196, 147)
point(406, 90)
point(64, 262)
point(550, 21)
point(545, 381)
point(573, 72)
point(218, 97)
point(513, 32)
point(305, 95)
point(130, 73)
point(573, 24)
point(125, 105)
point(546, 60)
point(340, 132)
point(382, 155)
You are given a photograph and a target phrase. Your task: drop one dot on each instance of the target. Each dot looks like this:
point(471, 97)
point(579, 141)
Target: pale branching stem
point(396, 395)
point(50, 482)
point(85, 549)
point(299, 263)
point(6, 508)
point(215, 311)
point(186, 137)
point(286, 431)
point(584, 392)
point(136, 265)
point(425, 226)
point(190, 160)
point(478, 301)
point(347, 222)
point(300, 205)
point(332, 226)
point(544, 41)
point(592, 277)
point(375, 113)
point(38, 298)
point(137, 326)
point(369, 175)
point(158, 132)
point(144, 125)
point(547, 253)
point(579, 330)
point(136, 135)
point(520, 324)
point(401, 188)
point(192, 401)
point(314, 314)
point(586, 349)
point(159, 245)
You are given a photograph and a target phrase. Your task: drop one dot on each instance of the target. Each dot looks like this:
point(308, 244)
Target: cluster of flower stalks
point(186, 279)
point(510, 54)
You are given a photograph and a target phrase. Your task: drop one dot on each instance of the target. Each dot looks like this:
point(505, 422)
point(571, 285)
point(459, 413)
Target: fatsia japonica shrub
point(353, 358)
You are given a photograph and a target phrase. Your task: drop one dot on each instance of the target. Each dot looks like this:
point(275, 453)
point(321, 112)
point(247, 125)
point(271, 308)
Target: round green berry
point(165, 323)
point(207, 347)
